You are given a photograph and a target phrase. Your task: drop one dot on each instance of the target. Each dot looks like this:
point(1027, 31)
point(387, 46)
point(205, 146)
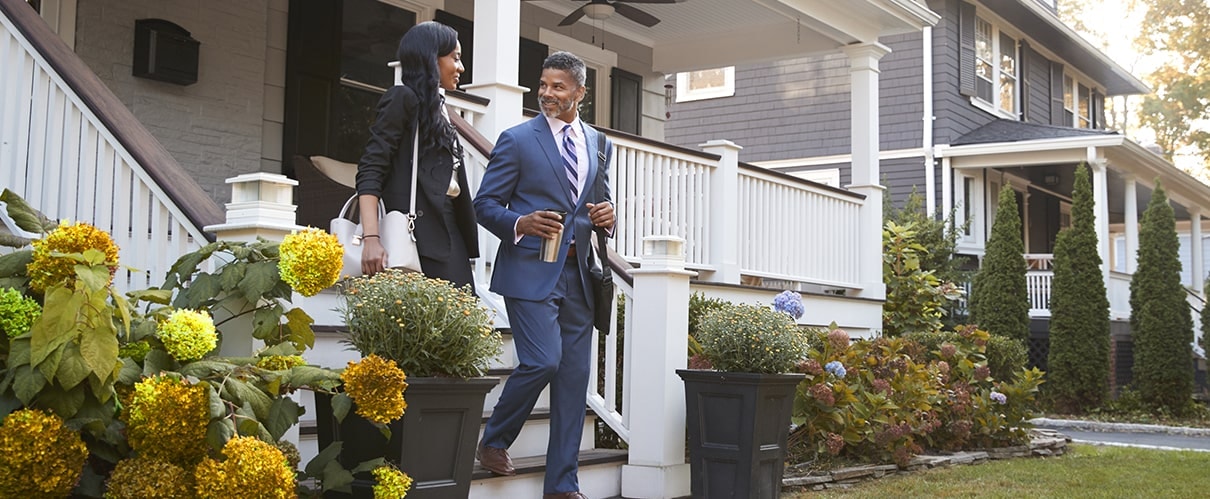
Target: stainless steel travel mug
point(549, 250)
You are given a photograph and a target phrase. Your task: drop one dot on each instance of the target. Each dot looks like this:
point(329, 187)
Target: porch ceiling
point(703, 34)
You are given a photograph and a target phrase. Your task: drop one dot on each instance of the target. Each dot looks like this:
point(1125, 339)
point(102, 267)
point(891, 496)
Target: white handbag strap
point(415, 169)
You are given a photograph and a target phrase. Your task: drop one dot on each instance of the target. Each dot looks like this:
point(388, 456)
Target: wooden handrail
point(117, 119)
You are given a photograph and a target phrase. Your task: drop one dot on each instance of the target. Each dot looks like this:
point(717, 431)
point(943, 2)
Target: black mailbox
point(164, 51)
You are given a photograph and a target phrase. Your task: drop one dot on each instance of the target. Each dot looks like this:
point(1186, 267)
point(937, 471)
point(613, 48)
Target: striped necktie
point(571, 163)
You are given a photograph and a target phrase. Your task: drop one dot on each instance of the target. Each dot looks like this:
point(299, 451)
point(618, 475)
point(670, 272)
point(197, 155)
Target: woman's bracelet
point(369, 235)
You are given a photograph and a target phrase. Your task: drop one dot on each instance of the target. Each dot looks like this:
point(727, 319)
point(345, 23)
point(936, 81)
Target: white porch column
point(724, 212)
point(1197, 270)
point(863, 75)
point(1100, 200)
point(498, 38)
point(1132, 224)
point(657, 467)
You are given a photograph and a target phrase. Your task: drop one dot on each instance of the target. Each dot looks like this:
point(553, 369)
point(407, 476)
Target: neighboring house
point(999, 92)
point(136, 114)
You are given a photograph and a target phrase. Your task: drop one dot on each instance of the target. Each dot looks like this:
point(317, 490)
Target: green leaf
point(206, 367)
point(158, 296)
point(369, 465)
point(283, 415)
point(93, 276)
point(241, 393)
point(218, 409)
point(200, 292)
point(130, 373)
point(341, 403)
point(24, 215)
point(317, 464)
point(249, 427)
point(298, 327)
point(50, 365)
point(13, 264)
point(313, 377)
point(267, 323)
point(65, 403)
point(57, 325)
point(259, 278)
point(73, 368)
point(335, 477)
point(27, 383)
point(231, 275)
point(99, 349)
point(218, 432)
point(281, 349)
point(122, 307)
point(157, 361)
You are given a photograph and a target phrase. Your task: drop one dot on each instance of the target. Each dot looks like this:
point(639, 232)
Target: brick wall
point(215, 127)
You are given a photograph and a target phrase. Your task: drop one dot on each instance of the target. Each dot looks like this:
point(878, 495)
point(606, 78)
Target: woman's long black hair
point(417, 55)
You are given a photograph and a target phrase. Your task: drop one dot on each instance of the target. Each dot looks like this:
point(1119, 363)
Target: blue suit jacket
point(526, 174)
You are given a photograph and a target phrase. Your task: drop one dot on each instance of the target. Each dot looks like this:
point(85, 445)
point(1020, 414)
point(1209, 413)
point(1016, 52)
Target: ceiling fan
point(602, 9)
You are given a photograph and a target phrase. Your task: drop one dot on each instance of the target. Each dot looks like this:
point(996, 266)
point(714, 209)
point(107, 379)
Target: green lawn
point(1085, 471)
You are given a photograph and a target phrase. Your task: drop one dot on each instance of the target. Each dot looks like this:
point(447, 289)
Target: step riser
point(598, 480)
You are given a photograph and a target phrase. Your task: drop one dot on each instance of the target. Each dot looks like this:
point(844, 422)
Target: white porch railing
point(66, 161)
point(1037, 284)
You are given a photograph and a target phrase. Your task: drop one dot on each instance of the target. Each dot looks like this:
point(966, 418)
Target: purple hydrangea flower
point(836, 368)
point(998, 398)
point(790, 303)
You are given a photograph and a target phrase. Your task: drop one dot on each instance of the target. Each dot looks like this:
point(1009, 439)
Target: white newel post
point(863, 74)
point(656, 466)
point(724, 212)
point(498, 31)
point(261, 206)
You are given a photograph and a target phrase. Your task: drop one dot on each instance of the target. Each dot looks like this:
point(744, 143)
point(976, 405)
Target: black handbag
point(600, 273)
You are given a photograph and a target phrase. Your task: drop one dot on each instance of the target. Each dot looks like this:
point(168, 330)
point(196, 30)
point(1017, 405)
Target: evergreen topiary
point(999, 301)
point(1078, 374)
point(1160, 324)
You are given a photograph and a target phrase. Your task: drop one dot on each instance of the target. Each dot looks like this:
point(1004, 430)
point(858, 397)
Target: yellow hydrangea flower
point(376, 385)
point(39, 457)
point(144, 478)
point(188, 334)
point(46, 270)
point(166, 420)
point(390, 483)
point(310, 260)
point(252, 468)
point(280, 362)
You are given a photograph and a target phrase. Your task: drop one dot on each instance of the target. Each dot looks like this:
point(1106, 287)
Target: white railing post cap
point(664, 248)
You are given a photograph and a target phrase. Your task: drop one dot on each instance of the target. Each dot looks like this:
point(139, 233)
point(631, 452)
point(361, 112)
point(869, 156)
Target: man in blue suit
point(538, 168)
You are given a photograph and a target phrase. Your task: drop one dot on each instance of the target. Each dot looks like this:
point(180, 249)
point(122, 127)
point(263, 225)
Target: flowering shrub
point(427, 326)
point(750, 338)
point(17, 312)
point(789, 303)
point(188, 334)
point(376, 385)
point(251, 468)
point(144, 478)
point(889, 398)
point(45, 269)
point(166, 420)
point(39, 457)
point(391, 483)
point(310, 260)
point(280, 362)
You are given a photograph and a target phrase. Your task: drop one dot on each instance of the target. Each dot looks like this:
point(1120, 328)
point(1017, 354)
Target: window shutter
point(966, 50)
point(1056, 94)
point(1024, 56)
point(1098, 110)
point(626, 99)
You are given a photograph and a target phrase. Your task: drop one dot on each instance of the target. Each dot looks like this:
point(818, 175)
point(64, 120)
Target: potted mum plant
point(443, 339)
point(738, 410)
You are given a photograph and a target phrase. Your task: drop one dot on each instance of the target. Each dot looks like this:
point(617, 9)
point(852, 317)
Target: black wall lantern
point(164, 51)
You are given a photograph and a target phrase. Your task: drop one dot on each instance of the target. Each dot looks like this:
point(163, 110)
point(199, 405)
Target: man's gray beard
point(557, 111)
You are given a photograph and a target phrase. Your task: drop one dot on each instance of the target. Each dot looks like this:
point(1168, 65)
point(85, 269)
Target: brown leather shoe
point(495, 460)
point(565, 495)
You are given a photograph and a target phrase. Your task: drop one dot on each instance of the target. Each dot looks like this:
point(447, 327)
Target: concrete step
point(600, 476)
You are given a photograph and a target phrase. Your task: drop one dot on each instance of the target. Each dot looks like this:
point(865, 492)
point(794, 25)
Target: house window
point(1077, 103)
point(995, 68)
point(705, 84)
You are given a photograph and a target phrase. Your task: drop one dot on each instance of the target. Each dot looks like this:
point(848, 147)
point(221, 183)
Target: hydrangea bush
point(138, 374)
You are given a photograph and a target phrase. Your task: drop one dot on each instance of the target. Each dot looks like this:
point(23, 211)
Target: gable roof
point(1002, 130)
point(1043, 25)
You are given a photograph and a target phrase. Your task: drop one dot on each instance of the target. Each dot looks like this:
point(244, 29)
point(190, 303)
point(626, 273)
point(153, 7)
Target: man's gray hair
point(566, 61)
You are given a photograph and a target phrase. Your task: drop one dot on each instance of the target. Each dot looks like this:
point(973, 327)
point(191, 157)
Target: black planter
point(738, 424)
point(434, 442)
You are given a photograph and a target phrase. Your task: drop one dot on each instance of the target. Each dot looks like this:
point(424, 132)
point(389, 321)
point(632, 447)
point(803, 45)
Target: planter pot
point(738, 424)
point(434, 442)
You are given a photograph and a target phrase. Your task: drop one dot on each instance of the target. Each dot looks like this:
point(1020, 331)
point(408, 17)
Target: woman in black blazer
point(446, 233)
